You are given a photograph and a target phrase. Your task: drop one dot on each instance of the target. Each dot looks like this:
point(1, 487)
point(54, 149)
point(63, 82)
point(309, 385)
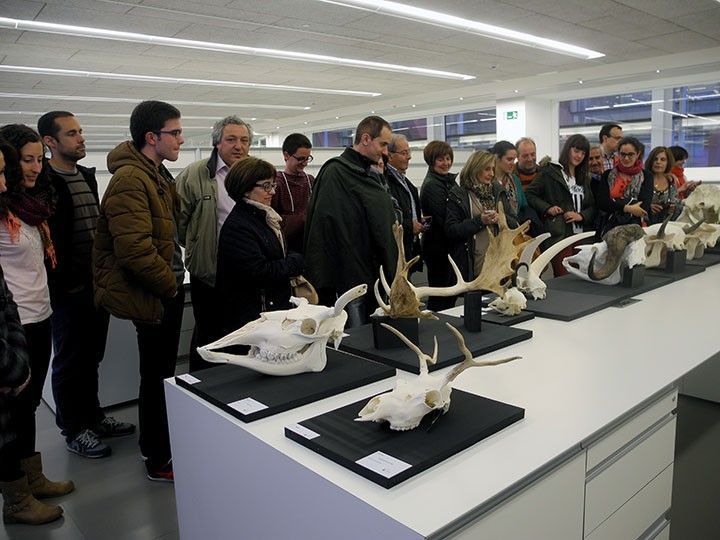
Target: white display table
point(598, 395)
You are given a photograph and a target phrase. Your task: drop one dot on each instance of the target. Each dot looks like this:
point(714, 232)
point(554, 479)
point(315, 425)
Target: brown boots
point(40, 486)
point(21, 496)
point(21, 507)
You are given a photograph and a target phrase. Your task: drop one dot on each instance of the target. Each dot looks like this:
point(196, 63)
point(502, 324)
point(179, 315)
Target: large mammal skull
point(405, 405)
point(578, 264)
point(702, 203)
point(511, 303)
point(287, 342)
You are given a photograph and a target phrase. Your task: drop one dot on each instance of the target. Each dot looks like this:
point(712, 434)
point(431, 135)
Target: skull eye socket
point(308, 327)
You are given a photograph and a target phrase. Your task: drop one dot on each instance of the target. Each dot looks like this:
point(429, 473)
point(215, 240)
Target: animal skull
point(529, 271)
point(511, 303)
point(410, 400)
point(287, 342)
point(703, 203)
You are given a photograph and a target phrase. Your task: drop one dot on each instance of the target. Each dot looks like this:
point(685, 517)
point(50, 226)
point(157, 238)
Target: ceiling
point(638, 37)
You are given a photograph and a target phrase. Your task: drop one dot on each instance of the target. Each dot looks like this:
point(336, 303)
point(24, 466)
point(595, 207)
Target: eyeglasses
point(173, 132)
point(625, 155)
point(405, 153)
point(267, 186)
point(303, 159)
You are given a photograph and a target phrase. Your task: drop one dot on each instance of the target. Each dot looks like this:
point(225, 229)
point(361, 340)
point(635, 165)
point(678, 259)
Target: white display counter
point(599, 395)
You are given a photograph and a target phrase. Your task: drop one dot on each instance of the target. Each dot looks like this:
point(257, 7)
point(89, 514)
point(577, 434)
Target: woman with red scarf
point(625, 191)
point(25, 245)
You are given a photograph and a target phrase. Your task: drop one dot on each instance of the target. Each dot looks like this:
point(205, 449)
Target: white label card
point(383, 464)
point(247, 406)
point(303, 431)
point(188, 378)
point(487, 310)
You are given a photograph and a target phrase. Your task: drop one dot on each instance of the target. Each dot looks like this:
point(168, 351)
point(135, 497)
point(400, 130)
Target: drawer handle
point(656, 528)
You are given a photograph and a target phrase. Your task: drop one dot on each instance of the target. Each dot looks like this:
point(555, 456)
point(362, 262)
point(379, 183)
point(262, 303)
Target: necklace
point(292, 201)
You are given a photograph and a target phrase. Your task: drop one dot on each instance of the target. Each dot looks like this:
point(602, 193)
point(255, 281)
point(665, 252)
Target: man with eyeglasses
point(137, 264)
point(204, 206)
point(610, 135)
point(406, 195)
point(294, 187)
point(348, 232)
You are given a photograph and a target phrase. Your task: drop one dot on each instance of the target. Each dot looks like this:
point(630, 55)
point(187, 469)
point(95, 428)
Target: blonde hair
point(475, 165)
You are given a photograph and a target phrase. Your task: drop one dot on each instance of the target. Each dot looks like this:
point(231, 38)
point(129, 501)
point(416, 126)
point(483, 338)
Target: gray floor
point(114, 500)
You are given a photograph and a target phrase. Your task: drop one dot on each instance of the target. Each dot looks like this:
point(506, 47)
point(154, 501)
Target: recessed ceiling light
point(101, 99)
point(180, 80)
point(305, 122)
point(337, 118)
point(132, 37)
point(445, 20)
point(413, 105)
point(516, 91)
point(461, 98)
point(580, 81)
point(657, 70)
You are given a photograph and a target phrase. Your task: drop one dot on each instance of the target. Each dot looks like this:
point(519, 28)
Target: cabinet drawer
point(640, 512)
point(664, 534)
point(612, 487)
point(630, 429)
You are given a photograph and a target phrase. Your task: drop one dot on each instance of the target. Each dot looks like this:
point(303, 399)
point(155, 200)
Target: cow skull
point(287, 342)
point(411, 399)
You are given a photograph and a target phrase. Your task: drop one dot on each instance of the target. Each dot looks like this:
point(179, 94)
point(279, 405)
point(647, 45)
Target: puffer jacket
point(135, 239)
point(14, 367)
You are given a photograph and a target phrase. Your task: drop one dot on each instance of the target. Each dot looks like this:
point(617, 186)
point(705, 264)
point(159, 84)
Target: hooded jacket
point(135, 239)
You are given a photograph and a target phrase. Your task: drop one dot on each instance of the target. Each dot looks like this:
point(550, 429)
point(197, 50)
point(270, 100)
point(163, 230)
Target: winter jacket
point(14, 360)
point(550, 189)
point(290, 200)
point(348, 231)
point(253, 272)
point(197, 218)
point(411, 242)
point(135, 239)
point(615, 207)
point(64, 277)
point(461, 227)
point(433, 198)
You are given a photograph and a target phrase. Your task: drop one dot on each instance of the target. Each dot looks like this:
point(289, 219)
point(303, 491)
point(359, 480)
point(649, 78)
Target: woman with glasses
point(254, 267)
point(666, 199)
point(626, 190)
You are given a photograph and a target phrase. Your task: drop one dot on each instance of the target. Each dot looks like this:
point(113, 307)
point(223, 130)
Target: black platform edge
point(688, 271)
point(370, 372)
point(709, 259)
point(427, 445)
point(492, 338)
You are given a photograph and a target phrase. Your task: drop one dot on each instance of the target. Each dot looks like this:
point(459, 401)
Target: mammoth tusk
point(539, 264)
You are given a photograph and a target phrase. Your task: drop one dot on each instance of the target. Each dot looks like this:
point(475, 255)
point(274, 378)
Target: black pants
point(207, 321)
point(440, 274)
point(22, 407)
point(79, 332)
point(157, 347)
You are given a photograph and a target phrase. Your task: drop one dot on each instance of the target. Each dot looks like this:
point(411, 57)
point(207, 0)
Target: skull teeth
point(272, 357)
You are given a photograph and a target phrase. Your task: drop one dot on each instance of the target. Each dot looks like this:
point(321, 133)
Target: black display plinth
point(564, 305)
point(675, 261)
point(575, 284)
point(492, 316)
point(473, 311)
point(492, 338)
point(633, 278)
point(714, 249)
point(399, 455)
point(249, 395)
point(385, 339)
point(709, 259)
point(687, 271)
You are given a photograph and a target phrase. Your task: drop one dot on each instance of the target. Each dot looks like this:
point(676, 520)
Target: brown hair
point(245, 173)
point(475, 164)
point(437, 149)
point(659, 150)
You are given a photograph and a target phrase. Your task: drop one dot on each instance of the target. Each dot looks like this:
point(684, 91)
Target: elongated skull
point(289, 341)
point(511, 303)
point(579, 263)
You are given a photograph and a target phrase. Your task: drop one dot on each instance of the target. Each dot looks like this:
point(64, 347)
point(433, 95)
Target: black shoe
point(164, 473)
point(110, 427)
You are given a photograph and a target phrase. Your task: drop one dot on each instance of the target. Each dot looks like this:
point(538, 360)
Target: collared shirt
point(404, 183)
point(224, 202)
point(608, 161)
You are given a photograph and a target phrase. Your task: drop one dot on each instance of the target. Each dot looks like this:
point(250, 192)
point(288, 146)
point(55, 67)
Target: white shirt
point(578, 194)
point(23, 264)
point(224, 203)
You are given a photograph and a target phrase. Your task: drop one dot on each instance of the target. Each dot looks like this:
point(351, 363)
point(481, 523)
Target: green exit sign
point(511, 115)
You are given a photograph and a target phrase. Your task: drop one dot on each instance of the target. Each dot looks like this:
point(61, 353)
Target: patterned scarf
point(272, 218)
point(511, 189)
point(484, 194)
point(34, 211)
point(625, 182)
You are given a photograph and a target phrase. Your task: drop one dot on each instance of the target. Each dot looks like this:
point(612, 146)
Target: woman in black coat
point(471, 211)
point(253, 268)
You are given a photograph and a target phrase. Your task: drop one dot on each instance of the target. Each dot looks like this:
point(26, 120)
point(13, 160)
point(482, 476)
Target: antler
point(468, 362)
point(424, 358)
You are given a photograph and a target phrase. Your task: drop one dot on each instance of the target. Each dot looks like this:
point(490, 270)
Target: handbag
point(302, 288)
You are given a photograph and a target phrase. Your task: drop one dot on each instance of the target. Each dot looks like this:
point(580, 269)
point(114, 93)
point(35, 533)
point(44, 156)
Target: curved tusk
point(527, 254)
point(693, 228)
point(539, 264)
point(661, 231)
point(383, 280)
point(347, 297)
point(379, 299)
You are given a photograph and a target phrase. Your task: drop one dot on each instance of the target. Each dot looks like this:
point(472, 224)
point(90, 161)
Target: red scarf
point(624, 177)
point(34, 212)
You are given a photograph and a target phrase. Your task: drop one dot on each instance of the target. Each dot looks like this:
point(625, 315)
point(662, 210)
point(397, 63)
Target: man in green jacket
point(204, 205)
point(348, 232)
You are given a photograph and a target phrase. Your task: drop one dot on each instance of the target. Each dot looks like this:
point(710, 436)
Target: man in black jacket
point(79, 329)
point(406, 195)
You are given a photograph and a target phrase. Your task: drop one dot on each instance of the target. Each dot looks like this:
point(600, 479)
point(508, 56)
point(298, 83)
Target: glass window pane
point(696, 123)
point(473, 129)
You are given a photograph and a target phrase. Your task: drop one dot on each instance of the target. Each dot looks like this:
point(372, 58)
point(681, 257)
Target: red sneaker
point(164, 473)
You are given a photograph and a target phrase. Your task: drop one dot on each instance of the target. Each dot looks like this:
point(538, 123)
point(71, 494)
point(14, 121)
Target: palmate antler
point(405, 298)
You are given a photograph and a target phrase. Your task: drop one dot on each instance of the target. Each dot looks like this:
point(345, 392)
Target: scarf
point(625, 182)
point(33, 211)
point(484, 194)
point(508, 182)
point(272, 218)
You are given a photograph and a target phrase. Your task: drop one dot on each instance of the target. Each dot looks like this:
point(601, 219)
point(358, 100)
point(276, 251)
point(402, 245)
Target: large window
point(696, 123)
point(477, 129)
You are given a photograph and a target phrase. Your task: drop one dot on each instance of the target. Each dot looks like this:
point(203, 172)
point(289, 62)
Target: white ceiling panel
point(704, 22)
point(21, 9)
point(680, 42)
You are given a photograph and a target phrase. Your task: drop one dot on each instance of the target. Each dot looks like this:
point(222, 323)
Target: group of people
point(253, 236)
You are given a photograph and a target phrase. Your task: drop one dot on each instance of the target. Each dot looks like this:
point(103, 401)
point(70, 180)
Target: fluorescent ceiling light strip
point(125, 127)
point(437, 18)
point(180, 80)
point(101, 33)
point(100, 99)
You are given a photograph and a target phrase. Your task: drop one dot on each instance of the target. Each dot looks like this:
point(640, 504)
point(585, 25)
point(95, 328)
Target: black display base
point(715, 250)
point(675, 261)
point(492, 338)
point(492, 316)
point(709, 259)
point(687, 271)
point(473, 311)
point(470, 419)
point(569, 305)
point(385, 339)
point(633, 278)
point(575, 284)
point(228, 384)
